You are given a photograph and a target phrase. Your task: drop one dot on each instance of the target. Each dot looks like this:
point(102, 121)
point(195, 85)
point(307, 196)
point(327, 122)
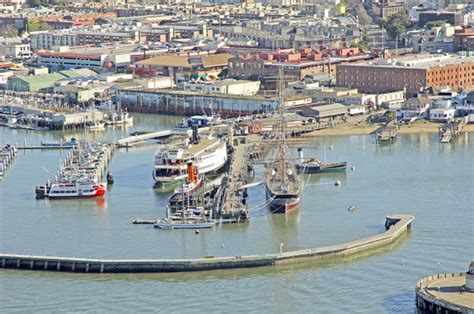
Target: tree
point(8, 31)
point(396, 25)
point(432, 24)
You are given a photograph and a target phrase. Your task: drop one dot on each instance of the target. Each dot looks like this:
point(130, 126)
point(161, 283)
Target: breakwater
point(396, 226)
point(444, 293)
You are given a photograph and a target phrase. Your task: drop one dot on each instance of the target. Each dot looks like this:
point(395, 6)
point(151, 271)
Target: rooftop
point(219, 59)
point(423, 61)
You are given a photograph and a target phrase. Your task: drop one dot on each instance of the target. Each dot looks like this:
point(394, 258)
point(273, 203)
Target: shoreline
point(368, 129)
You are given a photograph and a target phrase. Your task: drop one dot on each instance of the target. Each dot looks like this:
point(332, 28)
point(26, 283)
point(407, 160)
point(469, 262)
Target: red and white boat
point(80, 188)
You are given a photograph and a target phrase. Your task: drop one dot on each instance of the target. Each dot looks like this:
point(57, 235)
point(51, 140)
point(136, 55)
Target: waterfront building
point(412, 73)
point(325, 112)
point(188, 102)
point(235, 87)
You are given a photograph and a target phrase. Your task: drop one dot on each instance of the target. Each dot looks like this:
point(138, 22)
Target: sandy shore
point(363, 128)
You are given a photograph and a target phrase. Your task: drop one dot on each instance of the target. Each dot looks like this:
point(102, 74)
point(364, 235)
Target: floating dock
point(397, 225)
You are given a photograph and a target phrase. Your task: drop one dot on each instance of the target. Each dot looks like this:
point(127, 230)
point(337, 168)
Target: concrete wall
point(396, 226)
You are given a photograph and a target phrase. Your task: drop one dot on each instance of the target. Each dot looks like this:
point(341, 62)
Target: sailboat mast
point(282, 126)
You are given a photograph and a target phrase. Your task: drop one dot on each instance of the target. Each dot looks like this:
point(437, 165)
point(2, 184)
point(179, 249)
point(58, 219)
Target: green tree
point(435, 24)
point(396, 25)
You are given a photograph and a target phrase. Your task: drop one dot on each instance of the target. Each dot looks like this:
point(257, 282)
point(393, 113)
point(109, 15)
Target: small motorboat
point(110, 178)
point(316, 166)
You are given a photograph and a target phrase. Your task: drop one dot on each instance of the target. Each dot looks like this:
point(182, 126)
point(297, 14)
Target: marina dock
point(451, 130)
point(135, 139)
point(7, 155)
point(234, 200)
point(397, 225)
point(388, 132)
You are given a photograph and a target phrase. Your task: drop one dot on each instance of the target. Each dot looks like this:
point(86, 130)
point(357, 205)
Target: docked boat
point(282, 183)
point(73, 188)
point(199, 121)
point(209, 155)
point(313, 165)
point(95, 126)
point(72, 142)
point(169, 224)
point(119, 118)
point(282, 187)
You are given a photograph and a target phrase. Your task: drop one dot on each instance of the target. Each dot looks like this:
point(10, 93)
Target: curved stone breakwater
point(396, 225)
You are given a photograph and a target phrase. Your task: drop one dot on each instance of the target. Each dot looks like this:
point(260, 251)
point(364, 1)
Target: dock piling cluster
point(7, 155)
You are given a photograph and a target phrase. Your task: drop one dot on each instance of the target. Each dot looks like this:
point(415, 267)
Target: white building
point(4, 76)
point(234, 87)
point(441, 114)
point(16, 50)
point(50, 39)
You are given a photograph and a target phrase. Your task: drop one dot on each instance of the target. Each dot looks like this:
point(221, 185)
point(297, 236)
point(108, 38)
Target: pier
point(388, 132)
point(451, 130)
point(444, 293)
point(398, 225)
point(234, 200)
point(136, 139)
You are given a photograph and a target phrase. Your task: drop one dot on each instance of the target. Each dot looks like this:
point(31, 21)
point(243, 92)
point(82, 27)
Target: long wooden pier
point(396, 226)
point(234, 204)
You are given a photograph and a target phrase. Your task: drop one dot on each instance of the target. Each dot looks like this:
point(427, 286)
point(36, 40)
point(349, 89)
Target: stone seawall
point(396, 226)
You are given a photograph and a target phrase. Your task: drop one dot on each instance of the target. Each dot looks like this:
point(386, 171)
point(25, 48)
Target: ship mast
point(281, 155)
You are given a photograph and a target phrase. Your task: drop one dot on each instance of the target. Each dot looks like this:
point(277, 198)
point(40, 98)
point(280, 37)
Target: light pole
point(439, 285)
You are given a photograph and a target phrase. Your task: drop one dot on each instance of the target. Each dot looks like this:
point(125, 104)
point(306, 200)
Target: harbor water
point(415, 175)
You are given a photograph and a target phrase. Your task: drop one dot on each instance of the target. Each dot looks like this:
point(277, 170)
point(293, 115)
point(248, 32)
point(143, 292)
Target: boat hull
point(172, 226)
point(282, 204)
point(324, 168)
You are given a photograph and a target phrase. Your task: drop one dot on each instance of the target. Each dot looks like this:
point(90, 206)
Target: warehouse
point(325, 112)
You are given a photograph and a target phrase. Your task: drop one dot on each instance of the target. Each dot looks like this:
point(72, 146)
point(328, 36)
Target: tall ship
point(208, 154)
point(282, 183)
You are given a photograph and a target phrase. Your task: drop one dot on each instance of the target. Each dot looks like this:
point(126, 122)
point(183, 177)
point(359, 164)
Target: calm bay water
point(416, 175)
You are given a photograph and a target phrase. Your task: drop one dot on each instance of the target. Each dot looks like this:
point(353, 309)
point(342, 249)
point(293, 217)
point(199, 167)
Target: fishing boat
point(209, 155)
point(119, 118)
point(282, 183)
point(95, 126)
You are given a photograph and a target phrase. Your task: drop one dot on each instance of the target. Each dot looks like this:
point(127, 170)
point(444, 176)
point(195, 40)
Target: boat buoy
point(353, 168)
point(197, 231)
point(337, 183)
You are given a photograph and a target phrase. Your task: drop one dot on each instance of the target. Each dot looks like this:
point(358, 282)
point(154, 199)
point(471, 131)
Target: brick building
point(410, 72)
point(464, 39)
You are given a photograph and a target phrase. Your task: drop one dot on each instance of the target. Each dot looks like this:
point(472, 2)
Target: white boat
point(119, 118)
point(169, 224)
point(96, 126)
point(73, 188)
point(208, 155)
